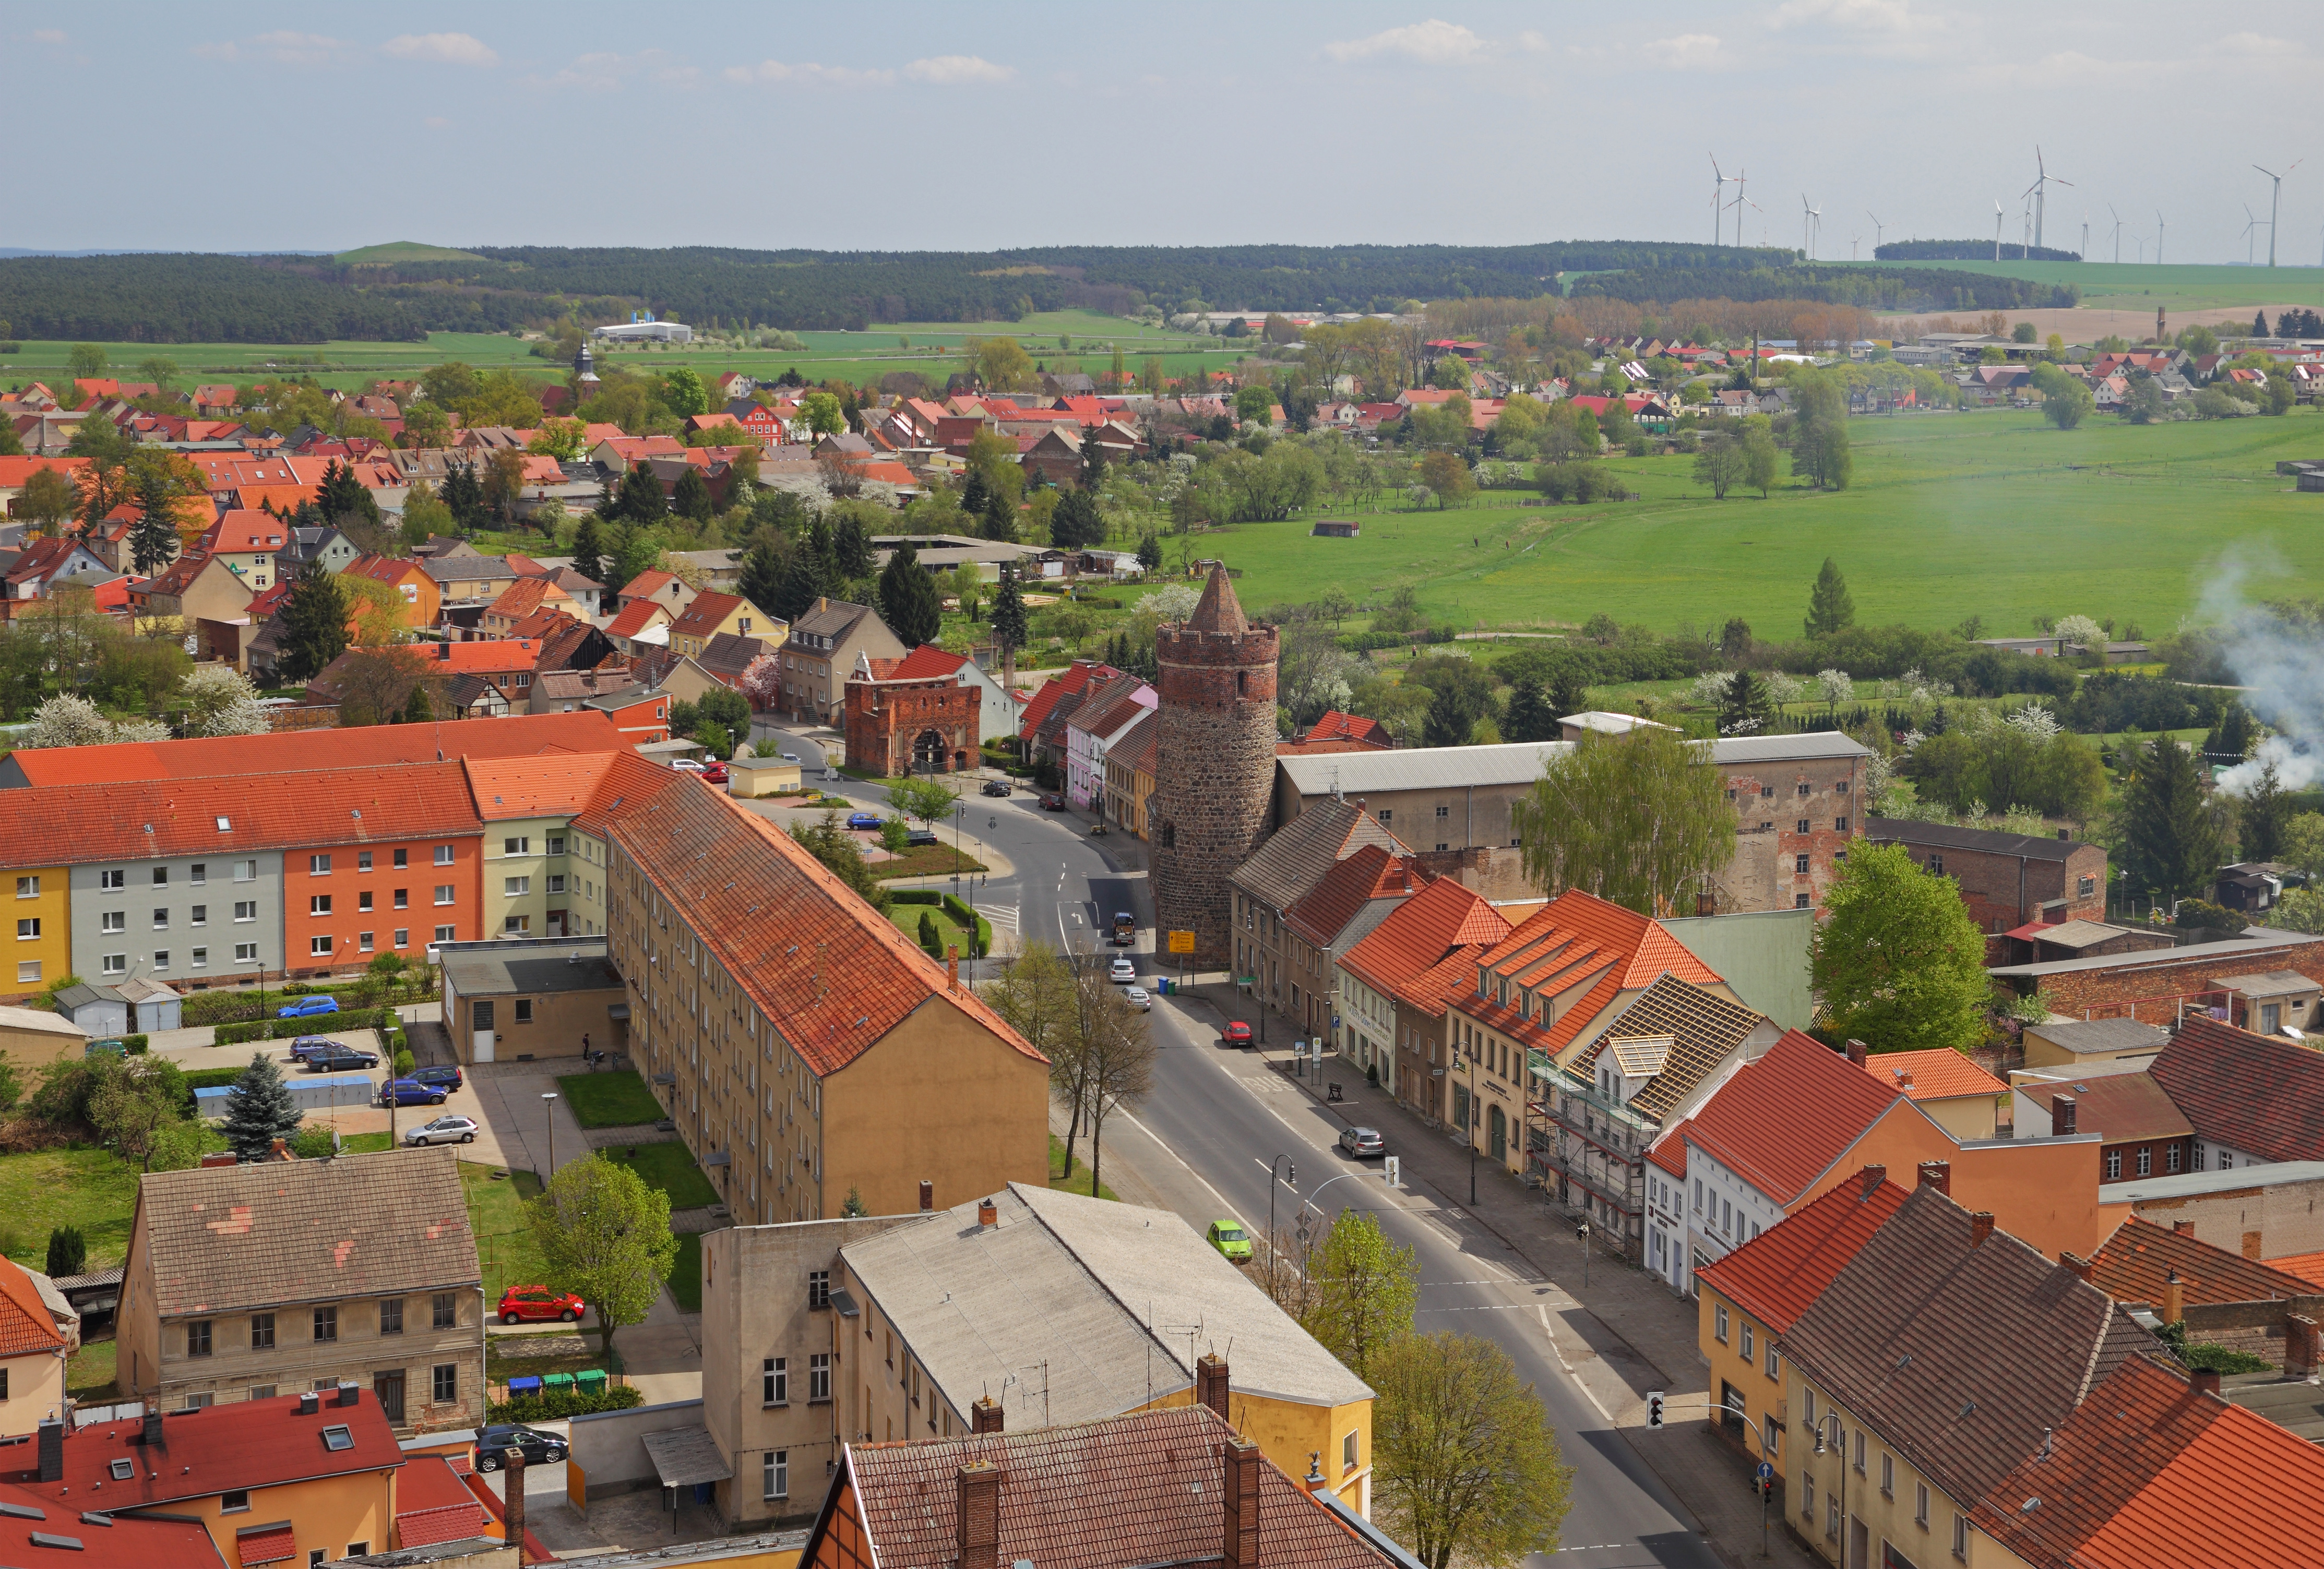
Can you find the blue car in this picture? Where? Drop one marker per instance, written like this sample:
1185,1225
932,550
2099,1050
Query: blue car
411,1092
869,820
307,1008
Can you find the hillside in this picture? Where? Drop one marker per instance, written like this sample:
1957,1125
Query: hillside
396,251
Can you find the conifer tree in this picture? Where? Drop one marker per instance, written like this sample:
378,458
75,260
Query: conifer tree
259,1110
1746,710
154,539
850,550
1829,608
907,599
314,622
589,548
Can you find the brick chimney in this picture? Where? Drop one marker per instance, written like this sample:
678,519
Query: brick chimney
2183,1227
512,1500
1211,1384
1904,1081
152,1433
988,1214
2174,1299
1241,1491
927,1195
1939,1175
951,966
1856,1053
985,1415
979,1515
2206,1381
1980,1226
2081,1267
1706,903
218,1158
2062,1115
2303,1348
53,1451
1314,1481
1872,1177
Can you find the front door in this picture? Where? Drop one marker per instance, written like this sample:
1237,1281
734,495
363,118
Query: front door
389,1387
1498,1127
1859,1544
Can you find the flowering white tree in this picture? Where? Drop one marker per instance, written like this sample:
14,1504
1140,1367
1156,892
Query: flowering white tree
70,720
1172,603
1783,688
1711,687
2082,629
763,682
220,701
2036,722
1835,686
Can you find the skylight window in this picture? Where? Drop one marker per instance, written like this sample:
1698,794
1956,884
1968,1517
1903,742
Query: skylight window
226,824
338,1437
123,1470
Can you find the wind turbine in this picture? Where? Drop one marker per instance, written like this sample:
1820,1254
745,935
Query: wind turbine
2118,234
1719,197
2247,238
1997,229
2273,203
1811,220
1740,176
2086,234
2158,236
1853,242
1877,228
2039,191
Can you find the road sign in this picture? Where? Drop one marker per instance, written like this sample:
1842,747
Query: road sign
1654,1408
1391,1168
1765,1470
1182,942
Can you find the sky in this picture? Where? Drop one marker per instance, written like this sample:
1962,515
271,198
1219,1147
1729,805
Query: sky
919,126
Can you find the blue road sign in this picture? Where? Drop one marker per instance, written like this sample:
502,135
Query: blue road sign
1765,1470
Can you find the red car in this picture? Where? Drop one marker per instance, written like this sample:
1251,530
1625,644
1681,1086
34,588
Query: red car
1237,1033
518,1303
716,774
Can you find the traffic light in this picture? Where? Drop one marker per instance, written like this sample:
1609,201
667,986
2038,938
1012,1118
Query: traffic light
1654,1409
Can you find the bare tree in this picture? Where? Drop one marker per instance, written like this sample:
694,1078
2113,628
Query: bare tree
375,684
1038,993
1120,1049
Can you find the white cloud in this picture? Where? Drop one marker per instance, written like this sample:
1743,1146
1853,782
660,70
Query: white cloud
956,70
290,49
1856,15
1532,43
1431,42
49,35
1687,51
442,49
775,72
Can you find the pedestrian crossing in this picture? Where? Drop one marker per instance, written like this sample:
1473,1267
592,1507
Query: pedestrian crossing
1003,916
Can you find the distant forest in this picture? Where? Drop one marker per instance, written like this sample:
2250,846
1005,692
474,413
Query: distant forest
1969,250
196,299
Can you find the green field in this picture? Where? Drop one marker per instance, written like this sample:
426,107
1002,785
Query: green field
2128,286
1950,514
41,1190
505,1244
610,1100
668,1167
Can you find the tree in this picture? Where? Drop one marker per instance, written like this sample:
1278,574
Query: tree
607,1236
1898,960
589,548
683,391
2265,811
1747,708
67,1252
640,500
1721,464
762,579
691,496
1009,624
1447,475
47,502
220,701
464,493
1465,1462
153,538
259,1110
1119,1050
85,359
375,683
1149,555
1829,608
137,1113
852,554
907,599
1367,1287
1528,716
1759,455
1077,523
2068,404
1636,820
314,622
820,413
2170,839
1819,432
1002,365
803,582
1460,695
842,857
1254,405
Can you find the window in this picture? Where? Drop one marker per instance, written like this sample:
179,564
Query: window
557,882
524,1010
326,1323
28,929
444,1311
161,958
1921,1505
2145,1163
1887,1476
246,908
391,1316
1840,788
818,1289
1832,1517
516,887
112,920
1799,865
516,846
199,1402
443,854
2114,1165
556,844
775,1381
246,953
338,1436
198,874
318,947
443,1383
318,865
199,916
444,933
1767,791
1936,865
161,877
245,871
1750,1352
1387,814
1718,1323
404,937
318,904
27,970
354,1549
1775,1361
237,1500
113,879
1840,823
1803,825
2083,889
1859,1451
363,942
114,964
1799,901
403,898
818,1375
362,902
402,859
516,925
775,1474
1804,787
444,892
197,1338
1443,812
28,888
1961,1536
362,860
2170,1159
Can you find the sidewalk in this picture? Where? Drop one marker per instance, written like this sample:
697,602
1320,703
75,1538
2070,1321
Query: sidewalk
1620,1334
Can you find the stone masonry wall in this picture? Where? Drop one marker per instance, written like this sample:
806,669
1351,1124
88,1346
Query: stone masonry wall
1214,777
2197,969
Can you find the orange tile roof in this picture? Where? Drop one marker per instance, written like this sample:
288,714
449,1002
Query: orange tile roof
928,663
635,616
1371,872
1336,725
1777,1275
648,583
2133,1265
242,530
524,596
1781,1121
2306,1267
1669,1150
1076,677
1573,937
25,1326
705,615
1441,918
2149,1471
1939,1074
837,973
516,736
507,787
14,472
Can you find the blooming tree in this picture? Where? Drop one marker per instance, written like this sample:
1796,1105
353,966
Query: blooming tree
70,720
763,682
220,701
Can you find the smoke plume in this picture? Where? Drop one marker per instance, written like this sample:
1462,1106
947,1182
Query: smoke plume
2280,663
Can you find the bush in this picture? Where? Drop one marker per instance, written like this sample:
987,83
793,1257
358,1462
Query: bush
313,1025
559,1404
136,1044
404,1063
929,939
959,911
914,895
2203,915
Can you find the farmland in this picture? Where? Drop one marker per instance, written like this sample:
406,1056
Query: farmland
2128,285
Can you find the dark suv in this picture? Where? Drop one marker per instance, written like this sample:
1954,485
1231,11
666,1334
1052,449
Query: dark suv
441,1077
540,1448
339,1060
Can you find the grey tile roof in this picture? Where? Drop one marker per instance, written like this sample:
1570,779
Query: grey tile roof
1419,767
2102,1035
1296,857
2034,846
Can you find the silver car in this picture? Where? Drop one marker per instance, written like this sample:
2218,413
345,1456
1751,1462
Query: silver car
1123,972
1138,997
449,1129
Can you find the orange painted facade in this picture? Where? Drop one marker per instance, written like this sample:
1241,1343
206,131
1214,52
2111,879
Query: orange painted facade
346,898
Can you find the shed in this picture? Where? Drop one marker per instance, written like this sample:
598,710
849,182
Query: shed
153,1005
325,1092
1336,529
33,1037
98,1010
2275,1001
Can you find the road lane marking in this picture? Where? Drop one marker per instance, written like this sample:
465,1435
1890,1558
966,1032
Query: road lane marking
1572,1377
1224,1207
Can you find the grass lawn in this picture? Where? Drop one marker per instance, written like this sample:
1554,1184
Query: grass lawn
365,1143
927,860
669,1168
949,932
685,1273
504,1240
88,1376
42,1189
610,1100
1082,1176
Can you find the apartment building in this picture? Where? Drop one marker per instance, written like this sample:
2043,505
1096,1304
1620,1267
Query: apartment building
386,861
1283,969
527,807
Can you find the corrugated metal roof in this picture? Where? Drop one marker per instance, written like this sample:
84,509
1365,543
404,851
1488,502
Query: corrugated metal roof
1419,768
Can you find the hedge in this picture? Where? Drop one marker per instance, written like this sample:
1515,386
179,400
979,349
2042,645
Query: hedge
312,1024
135,1045
960,912
563,1403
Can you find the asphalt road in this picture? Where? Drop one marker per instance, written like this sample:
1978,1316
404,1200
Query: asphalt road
1205,1139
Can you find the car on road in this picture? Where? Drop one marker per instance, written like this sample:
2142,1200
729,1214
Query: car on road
448,1077
340,1060
306,1046
1125,929
519,1303
687,766
1123,972
1053,803
996,788
1363,1142
714,773
1138,997
863,821
1235,1033
494,1444
449,1129
1233,1241
410,1092
308,1007
790,757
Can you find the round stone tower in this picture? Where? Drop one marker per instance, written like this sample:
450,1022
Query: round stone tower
1214,767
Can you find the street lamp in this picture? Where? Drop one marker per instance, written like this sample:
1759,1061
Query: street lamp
548,1114
1292,1182
1831,1421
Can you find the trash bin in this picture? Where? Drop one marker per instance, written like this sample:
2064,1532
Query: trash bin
529,1384
557,1383
590,1382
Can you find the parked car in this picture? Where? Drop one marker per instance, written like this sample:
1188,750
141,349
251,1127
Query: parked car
1141,999
1235,1033
715,774
113,1046
687,766
1123,972
1233,1241
410,1092
308,1007
996,788
518,1303
1363,1142
306,1046
494,1444
449,1129
340,1060
790,757
864,820
920,836
1053,803
442,1077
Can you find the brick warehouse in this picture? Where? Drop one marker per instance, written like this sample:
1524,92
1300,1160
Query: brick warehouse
2006,879
916,726
1214,765
2149,987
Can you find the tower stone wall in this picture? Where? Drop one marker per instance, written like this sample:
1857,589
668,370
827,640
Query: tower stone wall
1215,765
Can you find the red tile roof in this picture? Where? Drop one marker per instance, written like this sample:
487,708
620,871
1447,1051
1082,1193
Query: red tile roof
1076,677
481,1487
1939,1074
1371,872
635,616
247,1444
1781,1121
508,787
1336,725
1574,937
25,1326
368,746
1443,918
1777,1275
2253,1093
926,663
2305,1267
2119,1107
124,1542
706,615
240,531
1669,1149
432,1504
2133,1266
2149,1471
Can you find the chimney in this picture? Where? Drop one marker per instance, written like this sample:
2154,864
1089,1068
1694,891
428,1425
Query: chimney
951,966
2206,1381
1939,1175
309,1402
2183,1227
2302,1346
927,1195
2081,1267
988,1214
1241,1490
280,1151
350,1393
1706,903
218,1158
1904,1081
512,1504
53,1451
1314,1481
1980,1226
1211,1382
2062,1116
2174,1299
1856,1053
444,651
1872,1177
979,1515
984,1416
2064,834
